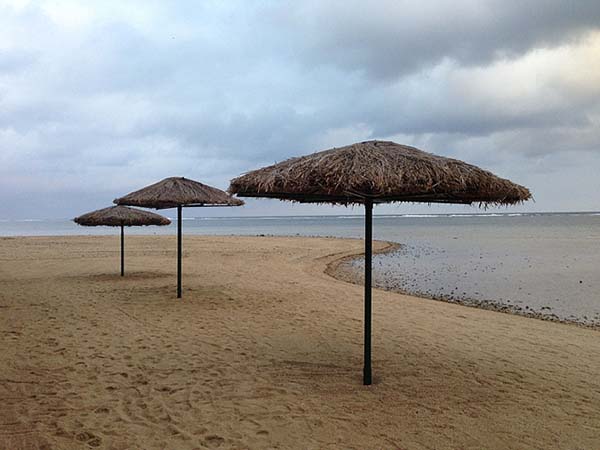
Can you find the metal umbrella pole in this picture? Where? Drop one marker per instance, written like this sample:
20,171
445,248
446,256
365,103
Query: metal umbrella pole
368,256
122,250
179,251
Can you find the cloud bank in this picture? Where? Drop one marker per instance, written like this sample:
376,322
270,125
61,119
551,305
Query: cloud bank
101,98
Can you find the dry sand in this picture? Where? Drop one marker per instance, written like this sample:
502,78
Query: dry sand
265,351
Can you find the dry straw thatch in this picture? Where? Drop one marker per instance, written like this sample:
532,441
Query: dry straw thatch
178,191
116,216
381,171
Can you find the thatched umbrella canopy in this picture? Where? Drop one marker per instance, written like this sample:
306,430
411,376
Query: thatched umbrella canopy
120,216
377,172
178,192
381,172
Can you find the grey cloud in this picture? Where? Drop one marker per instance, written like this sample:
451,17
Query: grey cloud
390,38
93,113
14,61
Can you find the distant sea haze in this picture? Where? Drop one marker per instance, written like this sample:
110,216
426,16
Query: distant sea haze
59,227
545,264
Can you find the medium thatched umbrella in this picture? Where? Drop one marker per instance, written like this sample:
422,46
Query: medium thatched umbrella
120,216
177,192
377,172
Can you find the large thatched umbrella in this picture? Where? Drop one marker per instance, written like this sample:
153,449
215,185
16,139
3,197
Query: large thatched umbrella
121,216
377,172
177,192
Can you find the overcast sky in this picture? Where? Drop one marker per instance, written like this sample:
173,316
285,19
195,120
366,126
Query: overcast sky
101,98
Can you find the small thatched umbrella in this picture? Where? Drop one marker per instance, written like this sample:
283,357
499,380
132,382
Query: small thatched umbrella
121,216
177,192
377,172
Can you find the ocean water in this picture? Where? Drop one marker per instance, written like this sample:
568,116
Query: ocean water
544,264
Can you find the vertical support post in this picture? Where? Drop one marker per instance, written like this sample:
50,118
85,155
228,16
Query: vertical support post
122,250
179,220
368,268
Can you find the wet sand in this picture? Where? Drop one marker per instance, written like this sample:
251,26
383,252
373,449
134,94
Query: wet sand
396,271
265,351
540,266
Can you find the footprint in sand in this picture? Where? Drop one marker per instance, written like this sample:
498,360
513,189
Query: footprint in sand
90,439
214,440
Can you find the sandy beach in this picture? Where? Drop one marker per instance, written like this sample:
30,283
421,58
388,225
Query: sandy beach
265,351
